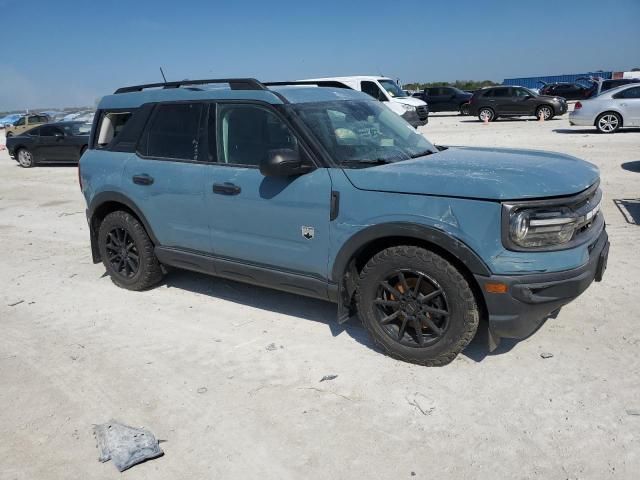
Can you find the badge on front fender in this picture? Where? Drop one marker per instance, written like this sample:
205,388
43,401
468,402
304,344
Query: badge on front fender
308,232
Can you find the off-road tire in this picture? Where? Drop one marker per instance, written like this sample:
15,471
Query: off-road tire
464,313
149,270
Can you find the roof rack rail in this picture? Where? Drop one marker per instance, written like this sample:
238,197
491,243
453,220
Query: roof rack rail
234,83
319,83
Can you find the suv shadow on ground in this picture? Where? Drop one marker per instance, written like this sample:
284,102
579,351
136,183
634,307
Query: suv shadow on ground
308,309
633,166
630,209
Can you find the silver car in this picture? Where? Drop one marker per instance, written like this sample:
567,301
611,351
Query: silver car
609,111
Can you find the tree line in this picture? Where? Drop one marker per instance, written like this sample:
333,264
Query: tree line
461,84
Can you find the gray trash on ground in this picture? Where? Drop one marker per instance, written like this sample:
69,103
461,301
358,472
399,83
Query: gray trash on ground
125,446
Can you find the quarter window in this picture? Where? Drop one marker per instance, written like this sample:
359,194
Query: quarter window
246,134
111,124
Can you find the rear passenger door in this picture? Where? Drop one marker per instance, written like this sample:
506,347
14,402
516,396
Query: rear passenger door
630,105
166,177
281,223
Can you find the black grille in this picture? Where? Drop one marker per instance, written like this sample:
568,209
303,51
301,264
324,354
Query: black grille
423,112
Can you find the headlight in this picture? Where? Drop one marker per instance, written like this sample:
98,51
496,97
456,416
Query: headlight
531,228
546,224
408,108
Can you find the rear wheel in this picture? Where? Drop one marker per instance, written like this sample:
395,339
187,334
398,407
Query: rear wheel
127,252
416,305
25,158
545,112
609,122
486,114
9,134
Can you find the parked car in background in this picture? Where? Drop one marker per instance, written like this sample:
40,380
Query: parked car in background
605,85
63,142
568,91
9,119
503,101
26,122
610,111
324,192
445,99
413,110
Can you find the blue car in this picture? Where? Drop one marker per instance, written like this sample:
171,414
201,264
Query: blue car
325,192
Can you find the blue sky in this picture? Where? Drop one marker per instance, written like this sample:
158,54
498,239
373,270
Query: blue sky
69,52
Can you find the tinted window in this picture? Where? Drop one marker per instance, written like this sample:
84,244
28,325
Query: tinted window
33,132
20,122
34,119
502,92
111,124
50,131
175,131
370,88
629,93
246,133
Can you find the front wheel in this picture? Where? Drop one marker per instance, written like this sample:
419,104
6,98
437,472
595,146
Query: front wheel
416,305
9,134
127,252
25,158
608,122
464,109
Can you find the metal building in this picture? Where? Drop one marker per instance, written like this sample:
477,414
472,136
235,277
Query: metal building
534,82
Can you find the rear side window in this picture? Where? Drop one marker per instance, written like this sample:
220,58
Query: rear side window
629,93
50,131
175,131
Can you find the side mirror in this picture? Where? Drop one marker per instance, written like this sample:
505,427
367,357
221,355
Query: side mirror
283,162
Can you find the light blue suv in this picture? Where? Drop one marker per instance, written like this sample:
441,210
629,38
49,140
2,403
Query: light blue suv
324,192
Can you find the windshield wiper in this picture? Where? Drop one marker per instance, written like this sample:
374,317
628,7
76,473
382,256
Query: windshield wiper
423,154
377,161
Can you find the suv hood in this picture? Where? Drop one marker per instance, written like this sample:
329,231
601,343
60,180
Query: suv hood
416,102
482,173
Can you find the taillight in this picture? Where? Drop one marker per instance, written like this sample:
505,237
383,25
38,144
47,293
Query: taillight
577,106
79,177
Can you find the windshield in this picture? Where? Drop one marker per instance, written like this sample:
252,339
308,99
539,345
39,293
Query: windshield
359,133
392,89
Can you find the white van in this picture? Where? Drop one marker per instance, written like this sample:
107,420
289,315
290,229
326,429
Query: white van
413,110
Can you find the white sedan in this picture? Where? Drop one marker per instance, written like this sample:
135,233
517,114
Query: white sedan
609,111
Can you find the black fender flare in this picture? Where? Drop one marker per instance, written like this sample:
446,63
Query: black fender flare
108,196
439,238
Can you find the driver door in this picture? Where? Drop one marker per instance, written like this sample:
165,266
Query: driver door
281,223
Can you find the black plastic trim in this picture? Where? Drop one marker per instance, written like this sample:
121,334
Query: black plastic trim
234,84
109,196
248,273
406,229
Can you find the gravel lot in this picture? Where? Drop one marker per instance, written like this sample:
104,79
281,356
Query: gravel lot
193,360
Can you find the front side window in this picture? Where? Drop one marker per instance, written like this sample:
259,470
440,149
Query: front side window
34,119
361,133
246,134
392,89
523,92
175,131
20,122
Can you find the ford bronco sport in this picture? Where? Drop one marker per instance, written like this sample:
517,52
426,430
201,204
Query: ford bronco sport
325,192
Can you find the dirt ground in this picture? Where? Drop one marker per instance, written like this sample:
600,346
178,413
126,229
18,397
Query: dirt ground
194,359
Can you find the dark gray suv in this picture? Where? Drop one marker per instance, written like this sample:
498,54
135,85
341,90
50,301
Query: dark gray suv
493,102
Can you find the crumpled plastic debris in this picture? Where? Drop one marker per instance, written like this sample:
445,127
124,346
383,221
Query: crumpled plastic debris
125,446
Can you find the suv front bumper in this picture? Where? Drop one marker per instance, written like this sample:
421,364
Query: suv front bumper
531,299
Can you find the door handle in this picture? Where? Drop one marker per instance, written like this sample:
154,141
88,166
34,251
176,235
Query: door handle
142,179
226,188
